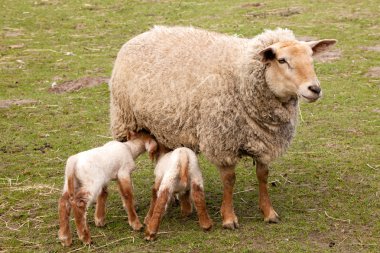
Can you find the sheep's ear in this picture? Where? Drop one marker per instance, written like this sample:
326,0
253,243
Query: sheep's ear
321,46
267,54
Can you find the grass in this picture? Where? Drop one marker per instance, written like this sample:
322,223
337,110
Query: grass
326,188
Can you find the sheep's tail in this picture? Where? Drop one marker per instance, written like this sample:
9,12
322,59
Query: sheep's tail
184,168
70,175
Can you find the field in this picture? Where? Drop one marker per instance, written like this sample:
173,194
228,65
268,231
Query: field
326,188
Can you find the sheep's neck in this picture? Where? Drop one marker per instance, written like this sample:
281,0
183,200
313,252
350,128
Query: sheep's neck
136,146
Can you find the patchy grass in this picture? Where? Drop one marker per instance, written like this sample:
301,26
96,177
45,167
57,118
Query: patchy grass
326,188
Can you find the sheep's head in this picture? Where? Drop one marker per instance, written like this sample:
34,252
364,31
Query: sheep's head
290,70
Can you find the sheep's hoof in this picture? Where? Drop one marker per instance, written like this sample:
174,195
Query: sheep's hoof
206,226
273,217
99,222
231,224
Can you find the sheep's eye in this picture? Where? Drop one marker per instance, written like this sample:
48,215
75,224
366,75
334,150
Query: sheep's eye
282,61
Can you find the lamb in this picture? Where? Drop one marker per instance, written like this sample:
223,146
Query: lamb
177,172
224,96
86,177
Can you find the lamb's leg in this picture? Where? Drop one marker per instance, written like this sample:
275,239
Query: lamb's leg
230,220
158,211
126,192
100,211
200,204
80,208
270,214
152,202
186,208
64,208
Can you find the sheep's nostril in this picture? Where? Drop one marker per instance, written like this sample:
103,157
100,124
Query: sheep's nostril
314,88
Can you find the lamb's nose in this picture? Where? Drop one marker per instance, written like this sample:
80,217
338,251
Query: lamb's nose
314,88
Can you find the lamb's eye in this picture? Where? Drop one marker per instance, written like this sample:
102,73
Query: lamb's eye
282,61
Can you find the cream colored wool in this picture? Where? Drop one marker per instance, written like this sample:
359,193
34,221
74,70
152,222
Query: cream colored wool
202,90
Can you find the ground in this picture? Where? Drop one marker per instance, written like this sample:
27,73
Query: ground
326,188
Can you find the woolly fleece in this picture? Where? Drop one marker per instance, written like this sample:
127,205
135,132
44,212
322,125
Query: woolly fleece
202,90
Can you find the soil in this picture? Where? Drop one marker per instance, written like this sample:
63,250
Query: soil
373,72
9,103
74,85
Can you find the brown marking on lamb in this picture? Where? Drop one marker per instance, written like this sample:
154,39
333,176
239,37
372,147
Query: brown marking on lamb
100,211
200,205
64,208
158,212
152,202
185,202
126,193
80,212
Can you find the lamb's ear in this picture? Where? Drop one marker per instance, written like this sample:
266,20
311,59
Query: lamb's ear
151,147
267,54
321,46
131,135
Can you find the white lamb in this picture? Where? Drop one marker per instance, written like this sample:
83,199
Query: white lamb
86,177
177,172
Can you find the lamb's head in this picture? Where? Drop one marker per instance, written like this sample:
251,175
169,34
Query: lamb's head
290,70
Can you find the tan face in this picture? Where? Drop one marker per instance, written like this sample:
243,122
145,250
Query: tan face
290,70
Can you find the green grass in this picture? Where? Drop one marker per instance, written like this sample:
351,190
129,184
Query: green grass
327,186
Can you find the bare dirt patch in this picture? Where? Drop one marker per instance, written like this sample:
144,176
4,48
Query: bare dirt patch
12,32
373,72
9,103
372,48
249,5
329,56
74,85
279,12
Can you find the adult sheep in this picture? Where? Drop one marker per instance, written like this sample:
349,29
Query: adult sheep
224,96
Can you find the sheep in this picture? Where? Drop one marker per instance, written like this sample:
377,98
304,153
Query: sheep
224,96
177,172
86,177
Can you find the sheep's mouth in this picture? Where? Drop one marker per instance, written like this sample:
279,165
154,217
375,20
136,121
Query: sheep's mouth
310,99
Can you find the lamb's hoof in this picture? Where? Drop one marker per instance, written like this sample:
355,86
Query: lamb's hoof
86,239
149,236
99,222
137,226
66,240
273,217
231,224
186,213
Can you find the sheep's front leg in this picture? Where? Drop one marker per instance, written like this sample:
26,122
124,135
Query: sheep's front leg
185,202
158,211
125,188
265,205
64,208
80,207
230,220
200,204
100,211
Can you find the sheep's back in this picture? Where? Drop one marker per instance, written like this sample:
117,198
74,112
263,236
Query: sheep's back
175,80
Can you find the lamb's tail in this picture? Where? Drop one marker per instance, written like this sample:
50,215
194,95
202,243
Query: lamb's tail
70,175
184,168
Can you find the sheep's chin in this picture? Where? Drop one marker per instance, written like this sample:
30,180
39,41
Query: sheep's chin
309,99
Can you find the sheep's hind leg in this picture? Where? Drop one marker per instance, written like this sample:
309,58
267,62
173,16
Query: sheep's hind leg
158,211
80,208
125,188
230,220
200,204
186,208
100,211
265,205
64,208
